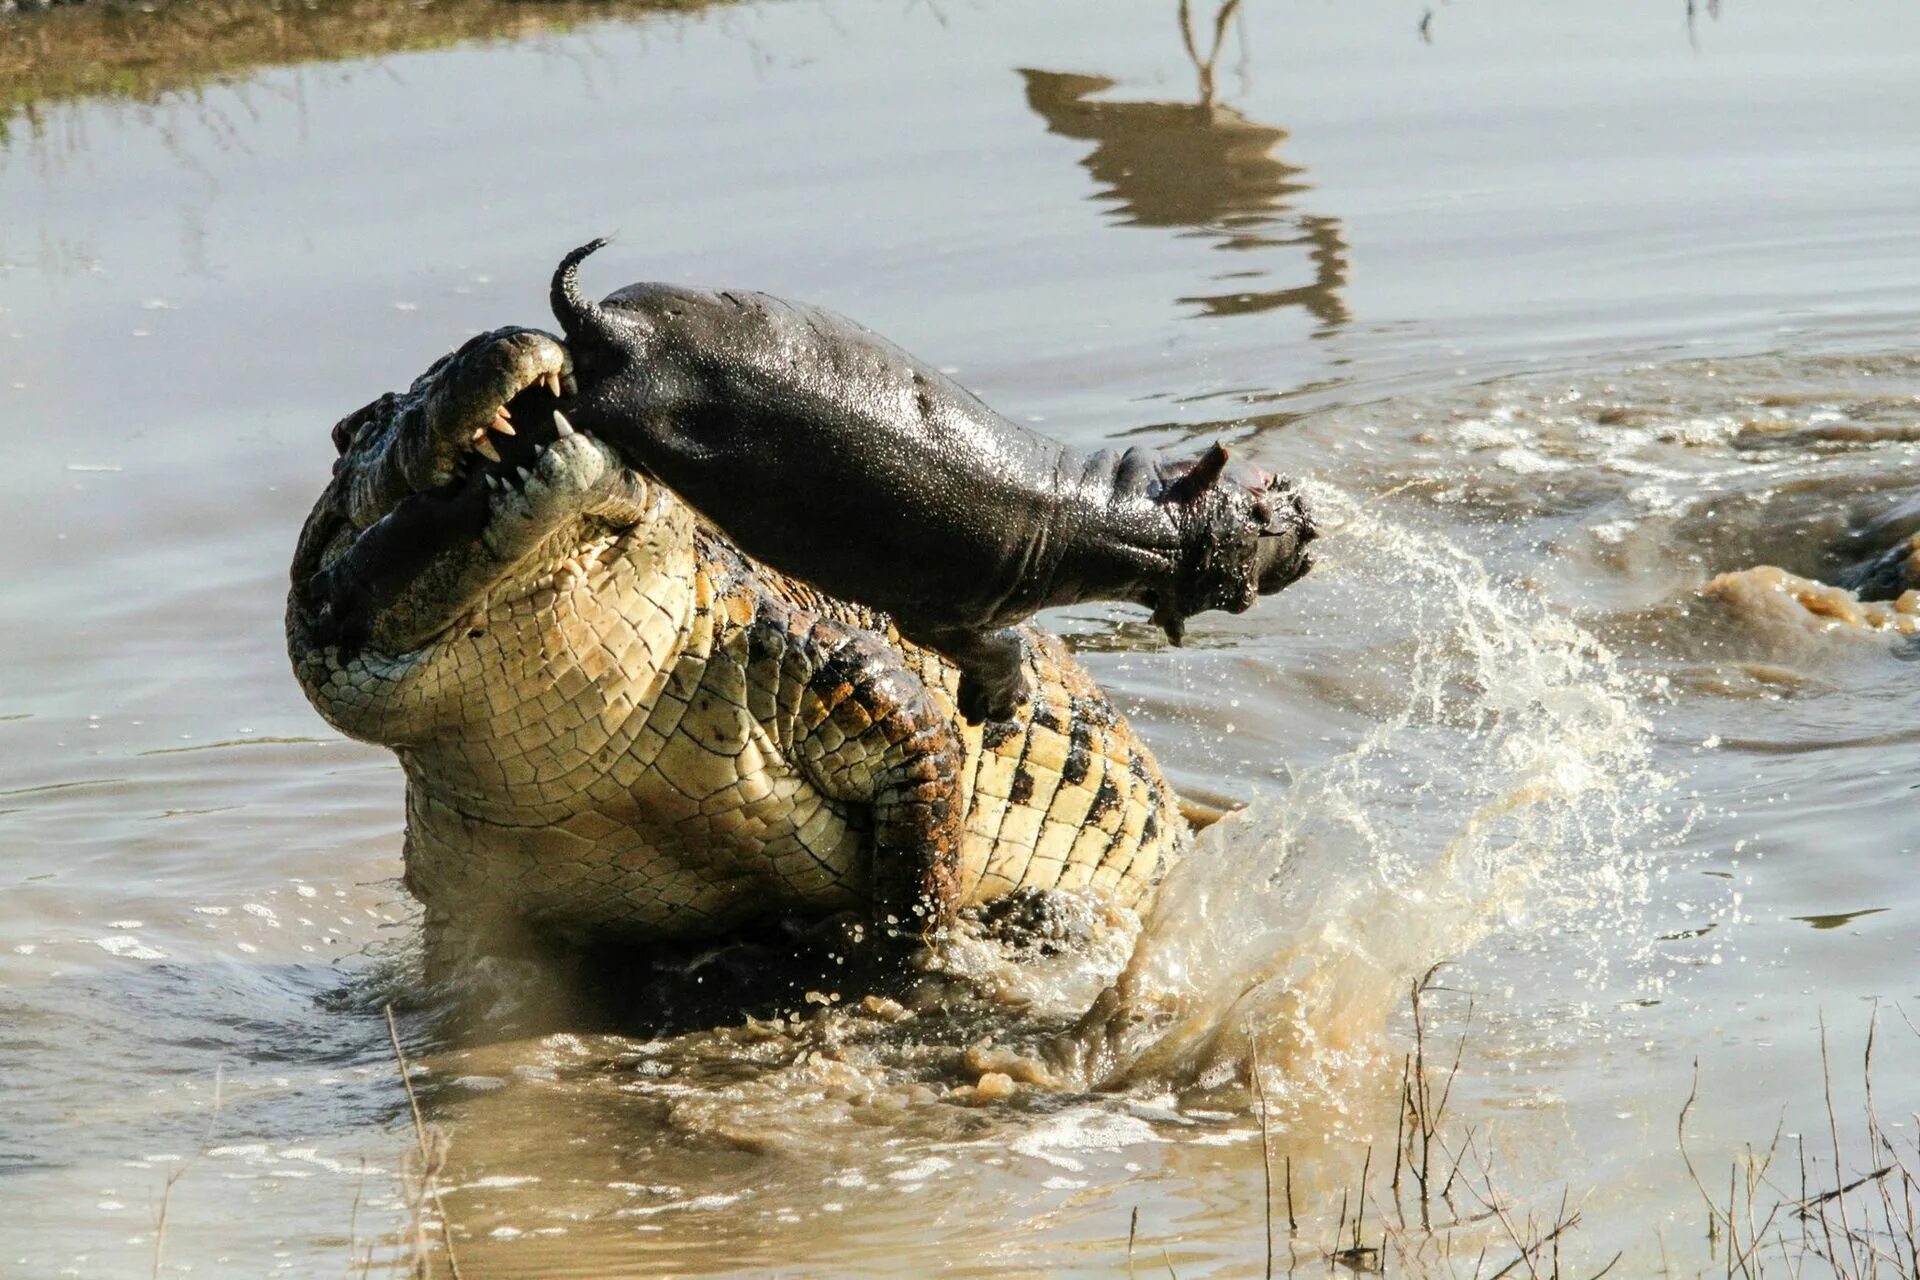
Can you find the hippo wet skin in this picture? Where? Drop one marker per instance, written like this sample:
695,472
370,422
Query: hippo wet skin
832,455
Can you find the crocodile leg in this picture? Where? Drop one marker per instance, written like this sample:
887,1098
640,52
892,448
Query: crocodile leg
866,730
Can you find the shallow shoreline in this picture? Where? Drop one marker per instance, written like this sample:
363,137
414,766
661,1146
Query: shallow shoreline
59,50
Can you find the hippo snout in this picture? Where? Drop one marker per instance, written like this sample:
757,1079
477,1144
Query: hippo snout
1283,558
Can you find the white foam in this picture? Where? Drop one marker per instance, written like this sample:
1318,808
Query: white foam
1504,790
1080,1130
129,946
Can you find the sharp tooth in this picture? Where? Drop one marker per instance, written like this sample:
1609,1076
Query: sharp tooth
493,481
553,384
502,412
503,424
561,425
484,447
539,449
524,476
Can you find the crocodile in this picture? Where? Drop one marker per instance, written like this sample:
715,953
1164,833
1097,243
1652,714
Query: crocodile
616,727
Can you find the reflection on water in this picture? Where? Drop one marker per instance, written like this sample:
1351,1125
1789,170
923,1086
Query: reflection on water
1693,20
1203,166
1839,919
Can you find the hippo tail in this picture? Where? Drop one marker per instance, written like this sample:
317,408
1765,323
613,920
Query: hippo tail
582,319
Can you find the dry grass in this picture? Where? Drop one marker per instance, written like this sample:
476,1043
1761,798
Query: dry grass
420,1171
1437,1208
1846,1207
1843,1203
1854,1218
420,1168
173,1179
146,51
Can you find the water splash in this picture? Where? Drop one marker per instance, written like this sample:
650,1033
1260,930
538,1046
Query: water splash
1506,792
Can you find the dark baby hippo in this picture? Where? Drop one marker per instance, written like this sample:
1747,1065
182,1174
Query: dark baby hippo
830,454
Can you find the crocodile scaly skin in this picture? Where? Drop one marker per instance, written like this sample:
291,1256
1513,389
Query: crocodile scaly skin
630,731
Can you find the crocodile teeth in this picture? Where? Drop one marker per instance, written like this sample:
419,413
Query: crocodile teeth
553,384
561,425
502,423
493,481
524,476
484,447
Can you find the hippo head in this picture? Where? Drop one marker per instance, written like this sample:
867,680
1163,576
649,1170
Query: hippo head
1245,532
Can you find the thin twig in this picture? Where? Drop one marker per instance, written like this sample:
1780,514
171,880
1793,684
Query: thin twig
1527,1251
166,1192
1680,1139
1400,1136
1833,1131
1360,1211
1266,1149
1340,1227
427,1158
1419,1104
1826,1197
1610,1265
353,1215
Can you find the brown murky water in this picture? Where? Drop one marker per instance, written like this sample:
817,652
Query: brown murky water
1565,310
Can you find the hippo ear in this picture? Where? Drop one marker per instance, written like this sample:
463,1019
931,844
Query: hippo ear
581,318
1202,477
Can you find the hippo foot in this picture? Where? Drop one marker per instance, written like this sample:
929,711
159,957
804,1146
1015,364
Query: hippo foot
991,696
993,669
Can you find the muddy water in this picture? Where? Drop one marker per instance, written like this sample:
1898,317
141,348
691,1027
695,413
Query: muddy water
1564,311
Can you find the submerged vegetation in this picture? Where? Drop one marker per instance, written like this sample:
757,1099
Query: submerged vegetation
1435,1204
1844,1202
1841,1200
143,52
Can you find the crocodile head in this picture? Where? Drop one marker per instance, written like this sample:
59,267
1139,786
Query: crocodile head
450,504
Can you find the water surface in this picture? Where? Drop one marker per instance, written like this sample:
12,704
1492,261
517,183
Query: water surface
1564,310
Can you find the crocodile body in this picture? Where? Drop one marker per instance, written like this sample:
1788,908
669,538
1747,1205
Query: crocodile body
615,727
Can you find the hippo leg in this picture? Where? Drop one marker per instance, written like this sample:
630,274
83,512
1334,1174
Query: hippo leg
868,731
993,669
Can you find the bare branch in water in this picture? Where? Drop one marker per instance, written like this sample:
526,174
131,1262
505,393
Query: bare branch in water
430,1157
173,1179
